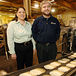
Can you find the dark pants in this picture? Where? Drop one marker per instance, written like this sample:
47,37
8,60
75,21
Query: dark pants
24,54
46,52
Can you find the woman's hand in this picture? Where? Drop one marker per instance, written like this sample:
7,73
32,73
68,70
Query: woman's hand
34,51
13,56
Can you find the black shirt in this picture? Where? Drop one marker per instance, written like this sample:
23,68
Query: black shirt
46,30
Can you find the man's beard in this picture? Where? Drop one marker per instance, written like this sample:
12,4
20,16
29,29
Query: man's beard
46,14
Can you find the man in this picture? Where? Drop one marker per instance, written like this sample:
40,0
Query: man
46,31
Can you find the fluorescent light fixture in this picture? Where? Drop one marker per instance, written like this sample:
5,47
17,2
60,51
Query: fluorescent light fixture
3,1
12,15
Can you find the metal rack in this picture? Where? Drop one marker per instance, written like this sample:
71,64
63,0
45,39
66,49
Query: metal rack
74,41
4,39
65,43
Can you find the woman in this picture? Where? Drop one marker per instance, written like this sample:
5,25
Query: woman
19,38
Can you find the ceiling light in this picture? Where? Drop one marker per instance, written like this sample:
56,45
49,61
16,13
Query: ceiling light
52,1
10,10
53,10
36,5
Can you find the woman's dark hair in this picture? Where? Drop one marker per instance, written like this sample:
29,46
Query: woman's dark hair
16,18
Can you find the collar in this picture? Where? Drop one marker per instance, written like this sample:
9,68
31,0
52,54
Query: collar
46,18
19,22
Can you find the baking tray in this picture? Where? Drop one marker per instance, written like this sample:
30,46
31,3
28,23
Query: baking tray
69,73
